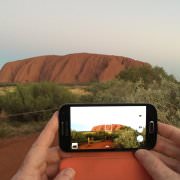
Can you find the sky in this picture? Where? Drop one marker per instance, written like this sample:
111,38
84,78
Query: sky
85,118
144,30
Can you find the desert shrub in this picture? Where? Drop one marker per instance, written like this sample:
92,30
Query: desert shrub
82,137
35,97
79,137
163,94
147,74
10,128
7,84
126,138
101,135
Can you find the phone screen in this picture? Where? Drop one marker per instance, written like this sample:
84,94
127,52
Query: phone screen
107,127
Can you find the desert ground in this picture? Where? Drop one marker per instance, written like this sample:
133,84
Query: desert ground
12,152
13,149
97,145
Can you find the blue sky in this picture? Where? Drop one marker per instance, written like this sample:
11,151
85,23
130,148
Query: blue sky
141,29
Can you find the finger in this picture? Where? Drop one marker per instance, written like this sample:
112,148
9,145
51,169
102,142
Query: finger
66,174
44,177
47,136
53,155
52,170
35,158
169,132
154,166
39,150
65,155
167,140
172,163
163,146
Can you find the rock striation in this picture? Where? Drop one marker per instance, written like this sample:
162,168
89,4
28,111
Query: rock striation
69,69
109,127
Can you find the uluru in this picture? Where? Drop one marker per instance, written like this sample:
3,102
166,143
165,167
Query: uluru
107,127
67,69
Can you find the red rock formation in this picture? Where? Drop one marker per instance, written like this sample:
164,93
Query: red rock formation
73,68
109,127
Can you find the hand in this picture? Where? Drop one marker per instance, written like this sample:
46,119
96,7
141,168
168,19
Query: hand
163,163
42,162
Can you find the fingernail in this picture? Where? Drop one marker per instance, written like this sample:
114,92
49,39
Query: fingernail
69,172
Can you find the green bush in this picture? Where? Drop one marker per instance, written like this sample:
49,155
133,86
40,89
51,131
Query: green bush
147,74
10,128
35,97
79,137
7,84
164,94
126,138
101,135
82,137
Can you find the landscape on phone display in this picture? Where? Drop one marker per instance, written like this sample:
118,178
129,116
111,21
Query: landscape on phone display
95,134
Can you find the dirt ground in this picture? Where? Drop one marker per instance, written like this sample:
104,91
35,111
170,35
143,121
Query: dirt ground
97,145
12,152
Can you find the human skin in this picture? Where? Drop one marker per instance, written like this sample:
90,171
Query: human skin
42,160
163,162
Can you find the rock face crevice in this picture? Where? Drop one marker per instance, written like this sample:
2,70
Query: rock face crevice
68,69
107,127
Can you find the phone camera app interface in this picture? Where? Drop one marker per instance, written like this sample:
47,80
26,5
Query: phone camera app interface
108,127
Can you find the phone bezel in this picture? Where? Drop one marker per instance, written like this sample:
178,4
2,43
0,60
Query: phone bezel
65,132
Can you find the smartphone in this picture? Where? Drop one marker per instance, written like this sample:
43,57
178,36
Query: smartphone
107,127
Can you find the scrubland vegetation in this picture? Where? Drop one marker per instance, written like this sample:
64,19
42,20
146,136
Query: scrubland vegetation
141,85
125,137
137,85
29,106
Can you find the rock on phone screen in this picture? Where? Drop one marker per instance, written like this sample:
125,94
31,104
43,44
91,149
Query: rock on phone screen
107,127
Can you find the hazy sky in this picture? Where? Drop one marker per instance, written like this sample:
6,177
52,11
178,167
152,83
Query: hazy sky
148,30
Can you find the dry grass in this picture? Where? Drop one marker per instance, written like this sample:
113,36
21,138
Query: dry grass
10,129
4,90
78,91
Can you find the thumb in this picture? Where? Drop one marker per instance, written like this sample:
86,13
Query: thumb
66,174
154,166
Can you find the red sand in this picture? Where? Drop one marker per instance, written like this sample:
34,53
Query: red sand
12,152
97,145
